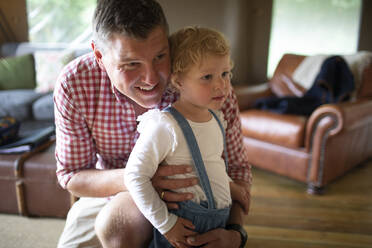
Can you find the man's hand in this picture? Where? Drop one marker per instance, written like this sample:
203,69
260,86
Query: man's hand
177,235
163,184
217,238
240,193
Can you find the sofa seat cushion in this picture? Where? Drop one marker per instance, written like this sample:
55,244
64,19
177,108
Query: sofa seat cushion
17,103
285,130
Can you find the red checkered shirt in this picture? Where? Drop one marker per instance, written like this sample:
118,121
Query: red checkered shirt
96,125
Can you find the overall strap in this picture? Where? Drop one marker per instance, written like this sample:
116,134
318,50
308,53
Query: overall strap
195,153
224,138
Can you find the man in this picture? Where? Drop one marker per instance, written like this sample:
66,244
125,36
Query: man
97,99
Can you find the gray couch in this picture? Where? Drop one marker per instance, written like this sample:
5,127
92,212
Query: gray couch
33,109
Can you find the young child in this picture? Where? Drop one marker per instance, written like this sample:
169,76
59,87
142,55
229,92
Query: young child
201,71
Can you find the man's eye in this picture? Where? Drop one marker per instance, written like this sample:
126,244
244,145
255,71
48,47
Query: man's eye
207,77
129,66
132,64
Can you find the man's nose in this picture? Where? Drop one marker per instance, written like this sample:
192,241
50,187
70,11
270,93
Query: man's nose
151,75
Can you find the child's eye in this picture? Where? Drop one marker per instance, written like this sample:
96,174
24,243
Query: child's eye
160,56
207,77
226,74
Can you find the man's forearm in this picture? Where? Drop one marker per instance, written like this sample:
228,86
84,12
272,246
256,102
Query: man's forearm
97,183
236,214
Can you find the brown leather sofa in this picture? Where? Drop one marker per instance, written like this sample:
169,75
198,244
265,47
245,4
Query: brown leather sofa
316,149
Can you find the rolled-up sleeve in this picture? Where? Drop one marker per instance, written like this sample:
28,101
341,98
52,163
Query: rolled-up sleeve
74,146
239,167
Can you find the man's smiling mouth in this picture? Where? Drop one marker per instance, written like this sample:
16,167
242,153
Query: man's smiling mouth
146,88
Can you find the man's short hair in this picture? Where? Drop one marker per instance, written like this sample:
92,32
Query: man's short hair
132,18
189,45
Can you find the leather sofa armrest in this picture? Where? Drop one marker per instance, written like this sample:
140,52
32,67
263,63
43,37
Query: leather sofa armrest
335,118
338,132
247,95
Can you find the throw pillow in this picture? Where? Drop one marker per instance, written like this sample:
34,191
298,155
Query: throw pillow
17,72
48,66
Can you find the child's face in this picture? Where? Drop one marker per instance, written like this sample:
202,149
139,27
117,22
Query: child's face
206,85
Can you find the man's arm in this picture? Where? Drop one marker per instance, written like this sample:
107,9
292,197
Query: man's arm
239,167
103,183
97,183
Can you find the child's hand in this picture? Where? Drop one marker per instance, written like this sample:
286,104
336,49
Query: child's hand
179,232
240,193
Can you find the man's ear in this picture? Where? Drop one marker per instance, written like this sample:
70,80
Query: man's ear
98,55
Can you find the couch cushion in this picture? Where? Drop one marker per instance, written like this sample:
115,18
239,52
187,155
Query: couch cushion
282,83
28,127
17,72
43,108
280,129
17,103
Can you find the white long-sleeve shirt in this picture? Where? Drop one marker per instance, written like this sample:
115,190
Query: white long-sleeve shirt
161,141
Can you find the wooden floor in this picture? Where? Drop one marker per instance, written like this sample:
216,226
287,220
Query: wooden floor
282,215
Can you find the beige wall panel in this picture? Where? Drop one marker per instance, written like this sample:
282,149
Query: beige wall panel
13,12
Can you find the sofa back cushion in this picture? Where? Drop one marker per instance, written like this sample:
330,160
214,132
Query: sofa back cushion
296,73
365,89
18,103
281,83
17,72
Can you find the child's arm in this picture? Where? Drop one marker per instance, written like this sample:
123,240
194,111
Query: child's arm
153,145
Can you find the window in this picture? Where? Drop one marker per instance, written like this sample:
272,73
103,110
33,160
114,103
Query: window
60,21
313,27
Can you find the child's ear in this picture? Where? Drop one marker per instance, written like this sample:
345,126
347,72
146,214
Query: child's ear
175,81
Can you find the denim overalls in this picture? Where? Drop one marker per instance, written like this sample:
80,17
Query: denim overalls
204,216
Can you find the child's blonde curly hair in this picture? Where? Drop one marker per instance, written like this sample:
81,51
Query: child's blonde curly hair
189,45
